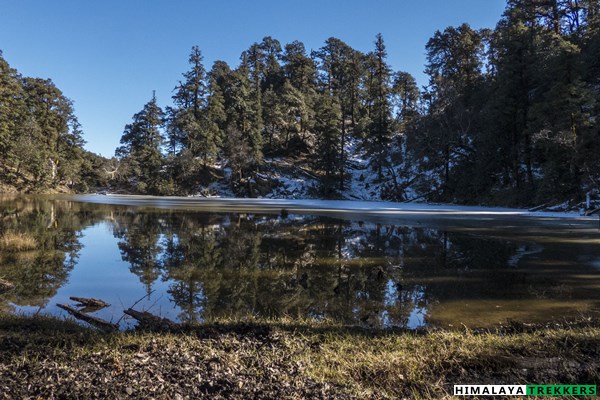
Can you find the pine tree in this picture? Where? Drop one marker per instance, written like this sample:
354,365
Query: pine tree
215,115
328,152
248,106
272,74
299,69
301,72
189,127
454,66
560,113
12,111
190,94
273,118
339,75
141,148
589,146
70,152
244,130
380,128
406,98
295,112
52,127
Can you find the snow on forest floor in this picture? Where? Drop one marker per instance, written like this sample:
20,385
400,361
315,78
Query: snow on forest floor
294,187
290,179
360,185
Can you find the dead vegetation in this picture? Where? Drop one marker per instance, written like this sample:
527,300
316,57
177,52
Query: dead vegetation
94,321
5,286
16,241
47,358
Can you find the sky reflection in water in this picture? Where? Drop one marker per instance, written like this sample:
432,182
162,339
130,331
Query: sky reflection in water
199,266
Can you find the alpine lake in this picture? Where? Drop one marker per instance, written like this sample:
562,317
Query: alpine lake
193,260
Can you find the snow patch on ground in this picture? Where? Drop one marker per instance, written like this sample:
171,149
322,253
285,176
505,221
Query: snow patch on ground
289,178
361,186
289,181
217,189
362,183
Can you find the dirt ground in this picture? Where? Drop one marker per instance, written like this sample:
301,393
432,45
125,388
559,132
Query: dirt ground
51,359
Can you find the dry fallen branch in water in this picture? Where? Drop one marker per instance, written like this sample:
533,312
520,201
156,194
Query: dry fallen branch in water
90,302
94,321
151,321
134,304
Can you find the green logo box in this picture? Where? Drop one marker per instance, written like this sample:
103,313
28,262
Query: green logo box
561,390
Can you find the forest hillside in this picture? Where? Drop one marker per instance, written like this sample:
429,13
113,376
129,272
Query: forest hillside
509,116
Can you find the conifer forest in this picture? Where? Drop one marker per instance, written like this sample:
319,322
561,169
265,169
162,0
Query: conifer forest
509,116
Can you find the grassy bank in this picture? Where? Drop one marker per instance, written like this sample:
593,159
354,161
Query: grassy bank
47,358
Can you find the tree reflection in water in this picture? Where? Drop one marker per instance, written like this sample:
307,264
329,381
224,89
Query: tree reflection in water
235,265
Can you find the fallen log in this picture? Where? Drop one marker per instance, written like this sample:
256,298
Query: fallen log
151,321
90,302
538,208
592,212
94,321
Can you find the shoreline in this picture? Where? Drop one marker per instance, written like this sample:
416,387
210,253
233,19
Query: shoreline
372,207
51,358
375,207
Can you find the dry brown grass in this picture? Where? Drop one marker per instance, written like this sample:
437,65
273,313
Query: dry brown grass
13,242
427,366
284,359
5,286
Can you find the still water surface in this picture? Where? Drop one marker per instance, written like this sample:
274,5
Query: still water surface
381,269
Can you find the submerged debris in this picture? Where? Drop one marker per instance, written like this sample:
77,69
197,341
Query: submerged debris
150,321
147,321
94,321
89,304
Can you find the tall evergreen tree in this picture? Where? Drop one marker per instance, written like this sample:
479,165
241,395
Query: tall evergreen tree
272,72
273,118
142,141
339,75
406,96
53,128
244,130
12,109
215,115
454,65
327,131
380,128
300,70
189,125
295,112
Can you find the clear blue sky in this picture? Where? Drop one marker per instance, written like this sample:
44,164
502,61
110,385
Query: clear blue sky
108,56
